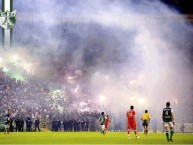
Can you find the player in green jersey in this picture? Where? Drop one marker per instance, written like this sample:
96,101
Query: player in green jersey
168,119
102,123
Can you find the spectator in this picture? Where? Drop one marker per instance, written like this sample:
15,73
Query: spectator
37,123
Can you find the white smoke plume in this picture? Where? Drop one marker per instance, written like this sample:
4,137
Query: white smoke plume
131,52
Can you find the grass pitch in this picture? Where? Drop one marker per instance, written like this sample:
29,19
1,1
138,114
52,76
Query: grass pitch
90,138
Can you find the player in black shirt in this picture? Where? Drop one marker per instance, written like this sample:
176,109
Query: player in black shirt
7,125
168,119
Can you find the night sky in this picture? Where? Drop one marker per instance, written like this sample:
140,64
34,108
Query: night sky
183,6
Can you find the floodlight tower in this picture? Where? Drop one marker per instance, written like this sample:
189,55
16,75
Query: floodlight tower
7,21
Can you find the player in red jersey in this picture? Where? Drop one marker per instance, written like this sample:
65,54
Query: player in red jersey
131,122
107,121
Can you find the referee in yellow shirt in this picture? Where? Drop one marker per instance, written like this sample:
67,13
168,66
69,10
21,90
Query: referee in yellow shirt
145,121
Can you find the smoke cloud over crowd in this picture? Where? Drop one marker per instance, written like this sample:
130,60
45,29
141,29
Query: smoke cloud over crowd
122,52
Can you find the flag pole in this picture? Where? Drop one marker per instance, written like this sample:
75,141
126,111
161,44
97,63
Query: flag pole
7,34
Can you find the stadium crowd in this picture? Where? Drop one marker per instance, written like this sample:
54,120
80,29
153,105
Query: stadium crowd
31,100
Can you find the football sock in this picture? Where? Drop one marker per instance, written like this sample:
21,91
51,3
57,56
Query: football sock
135,132
103,132
171,134
167,135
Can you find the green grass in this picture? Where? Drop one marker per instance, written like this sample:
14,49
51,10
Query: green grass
90,138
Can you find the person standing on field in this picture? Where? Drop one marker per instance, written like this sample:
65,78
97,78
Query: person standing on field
145,121
7,125
107,121
102,123
168,120
37,123
131,122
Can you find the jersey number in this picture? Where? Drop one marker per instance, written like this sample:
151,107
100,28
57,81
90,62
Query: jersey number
166,112
130,114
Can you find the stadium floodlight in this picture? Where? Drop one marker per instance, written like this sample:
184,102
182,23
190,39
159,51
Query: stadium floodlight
141,101
7,21
102,98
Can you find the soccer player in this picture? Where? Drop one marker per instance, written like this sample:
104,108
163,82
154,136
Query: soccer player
6,120
145,121
107,120
131,122
102,123
168,119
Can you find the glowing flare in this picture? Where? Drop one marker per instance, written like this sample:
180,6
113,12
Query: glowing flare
102,98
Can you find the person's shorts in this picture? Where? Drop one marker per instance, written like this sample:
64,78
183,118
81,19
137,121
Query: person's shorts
7,126
170,124
131,126
102,127
145,123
